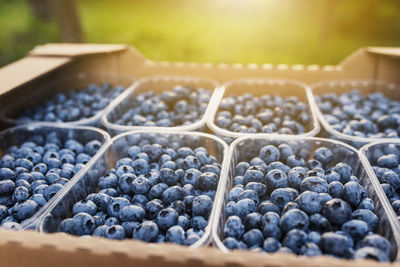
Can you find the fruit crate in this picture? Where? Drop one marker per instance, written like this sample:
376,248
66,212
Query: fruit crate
53,61
48,91
20,134
259,87
245,148
369,154
87,181
158,85
365,87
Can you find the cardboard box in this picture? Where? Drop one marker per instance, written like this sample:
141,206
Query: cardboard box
52,61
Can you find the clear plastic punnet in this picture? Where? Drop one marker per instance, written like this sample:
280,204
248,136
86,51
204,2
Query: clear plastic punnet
245,148
18,135
157,84
259,87
389,90
369,155
63,84
87,182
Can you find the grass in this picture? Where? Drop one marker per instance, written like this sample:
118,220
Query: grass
231,31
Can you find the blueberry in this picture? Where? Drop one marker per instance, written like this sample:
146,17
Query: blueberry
116,232
271,245
157,190
82,224
276,179
355,228
309,202
100,231
353,193
335,189
253,237
171,194
175,234
250,194
367,204
376,241
132,213
65,226
337,211
269,154
335,244
233,227
51,190
282,196
244,207
110,221
310,249
323,155
167,218
86,206
320,223
201,206
168,176
101,200
267,206
146,231
314,184
207,181
20,193
140,185
371,253
295,239
388,161
116,205
6,187
191,176
292,219
367,216
253,221
253,175
344,170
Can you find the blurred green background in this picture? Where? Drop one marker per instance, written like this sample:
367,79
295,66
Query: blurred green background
231,31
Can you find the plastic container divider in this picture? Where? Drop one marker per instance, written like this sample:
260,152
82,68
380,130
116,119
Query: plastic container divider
389,90
259,87
158,84
368,154
18,135
86,183
243,149
64,84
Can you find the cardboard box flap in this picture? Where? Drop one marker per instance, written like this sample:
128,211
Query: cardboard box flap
27,69
385,51
76,49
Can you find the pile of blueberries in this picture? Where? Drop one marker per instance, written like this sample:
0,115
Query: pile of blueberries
183,105
371,116
265,114
32,173
155,193
280,202
73,105
387,170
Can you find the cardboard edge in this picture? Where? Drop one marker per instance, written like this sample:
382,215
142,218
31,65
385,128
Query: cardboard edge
18,248
76,49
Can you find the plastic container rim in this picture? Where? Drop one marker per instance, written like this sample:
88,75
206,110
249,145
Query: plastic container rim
328,127
374,181
37,126
176,78
221,91
206,238
84,121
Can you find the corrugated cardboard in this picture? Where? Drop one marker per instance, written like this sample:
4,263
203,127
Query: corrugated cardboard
55,60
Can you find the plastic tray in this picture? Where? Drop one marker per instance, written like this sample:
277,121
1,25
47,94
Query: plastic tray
368,155
157,84
258,87
19,134
49,89
245,148
391,91
86,183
